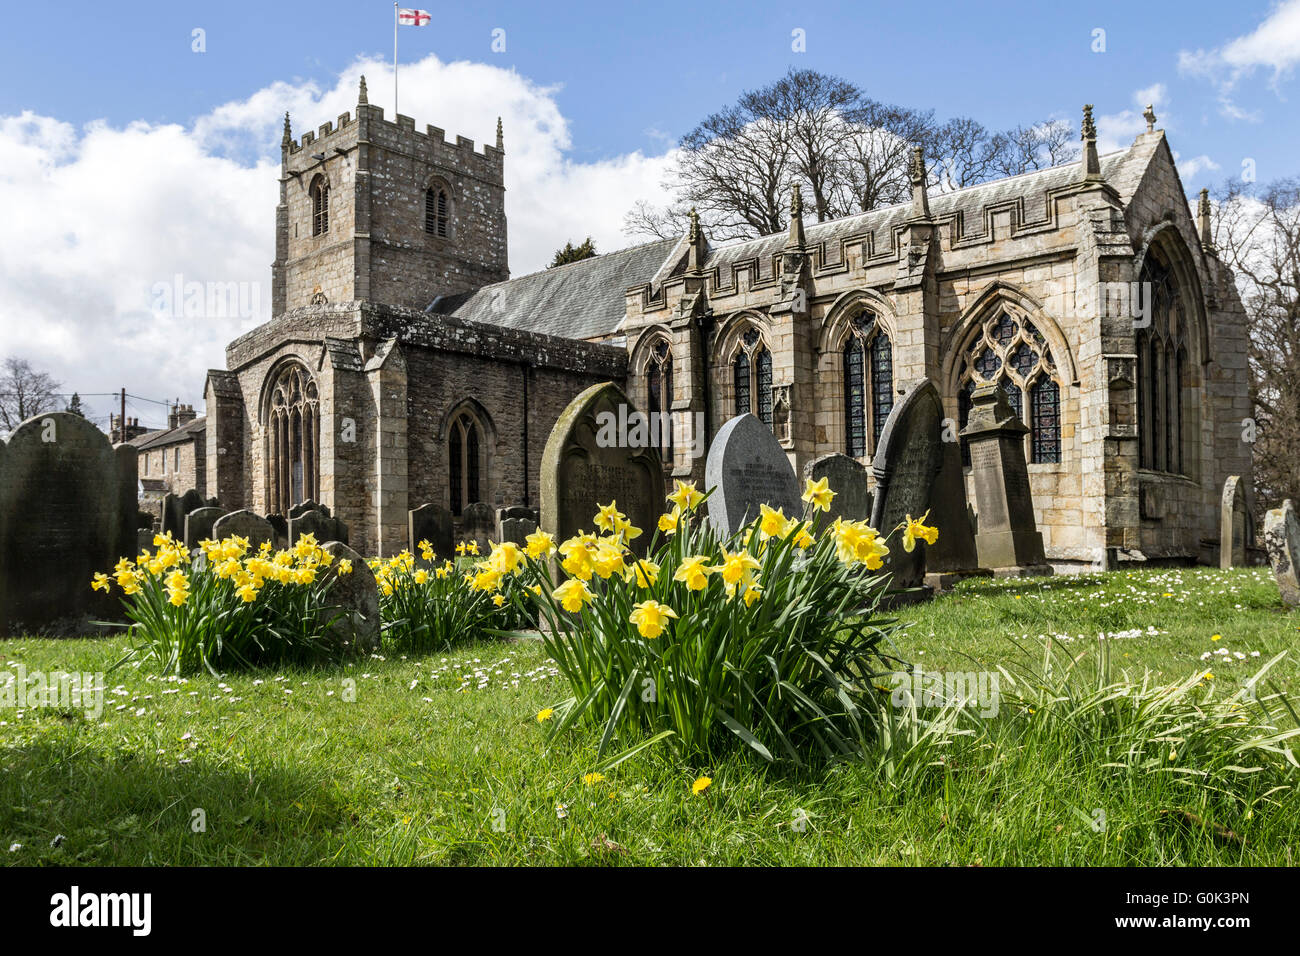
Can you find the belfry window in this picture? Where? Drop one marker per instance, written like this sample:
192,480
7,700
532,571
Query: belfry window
320,206
868,384
293,441
464,461
1010,351
1161,370
437,212
752,376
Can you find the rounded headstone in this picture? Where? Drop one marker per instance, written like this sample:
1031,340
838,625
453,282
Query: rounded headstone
747,467
353,600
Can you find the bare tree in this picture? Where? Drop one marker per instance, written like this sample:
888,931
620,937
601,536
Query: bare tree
846,152
1258,234
24,392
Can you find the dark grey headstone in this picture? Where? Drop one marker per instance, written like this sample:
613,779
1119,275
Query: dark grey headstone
199,524
747,467
432,523
244,524
353,600
478,523
955,552
300,509
143,541
517,530
1008,541
1282,541
280,529
193,501
847,477
319,524
61,520
171,516
579,474
908,458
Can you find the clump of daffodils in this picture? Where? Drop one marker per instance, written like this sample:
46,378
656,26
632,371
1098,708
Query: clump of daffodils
746,635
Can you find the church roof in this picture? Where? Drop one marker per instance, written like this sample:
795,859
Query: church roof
1031,189
580,300
169,436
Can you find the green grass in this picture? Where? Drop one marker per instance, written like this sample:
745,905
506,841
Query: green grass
417,770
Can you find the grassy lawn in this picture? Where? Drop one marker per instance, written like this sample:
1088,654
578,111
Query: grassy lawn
441,760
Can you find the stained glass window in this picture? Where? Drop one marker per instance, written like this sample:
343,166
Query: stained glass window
740,369
1162,369
765,387
1045,427
855,408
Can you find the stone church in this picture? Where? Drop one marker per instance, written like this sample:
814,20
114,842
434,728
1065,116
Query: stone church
403,365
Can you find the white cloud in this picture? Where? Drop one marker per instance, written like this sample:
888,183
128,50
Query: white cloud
98,215
1189,168
1274,44
1118,130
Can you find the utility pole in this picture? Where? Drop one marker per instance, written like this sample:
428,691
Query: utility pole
123,419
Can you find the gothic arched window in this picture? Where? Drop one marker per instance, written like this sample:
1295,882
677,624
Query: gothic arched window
320,206
1162,370
868,384
293,440
753,397
465,450
437,212
659,395
1009,350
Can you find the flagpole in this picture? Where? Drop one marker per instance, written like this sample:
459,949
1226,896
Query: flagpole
394,62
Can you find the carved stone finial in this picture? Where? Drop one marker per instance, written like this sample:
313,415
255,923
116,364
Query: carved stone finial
920,195
361,96
1203,221
1149,114
694,217
287,138
796,201
918,165
1090,162
796,218
698,245
501,136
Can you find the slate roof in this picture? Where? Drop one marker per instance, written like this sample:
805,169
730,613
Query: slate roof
580,300
170,436
1032,188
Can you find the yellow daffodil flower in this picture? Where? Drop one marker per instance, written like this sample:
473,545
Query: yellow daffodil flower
651,617
818,494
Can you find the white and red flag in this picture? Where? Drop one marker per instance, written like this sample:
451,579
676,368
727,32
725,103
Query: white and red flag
413,18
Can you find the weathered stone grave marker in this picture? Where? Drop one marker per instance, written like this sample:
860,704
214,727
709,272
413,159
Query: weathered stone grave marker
847,477
432,523
746,467
244,524
1282,541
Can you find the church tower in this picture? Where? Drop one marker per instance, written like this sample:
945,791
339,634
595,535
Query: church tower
372,210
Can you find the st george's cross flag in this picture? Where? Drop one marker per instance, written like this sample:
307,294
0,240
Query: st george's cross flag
413,18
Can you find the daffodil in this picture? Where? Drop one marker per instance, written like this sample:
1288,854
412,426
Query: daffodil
573,595
498,599
668,523
913,530
694,572
651,617
737,569
818,494
645,571
609,517
772,523
506,557
539,544
100,582
685,496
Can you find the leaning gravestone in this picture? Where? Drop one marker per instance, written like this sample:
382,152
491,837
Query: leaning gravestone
908,458
1234,524
847,477
244,524
432,523
747,467
1008,539
478,523
300,509
64,519
319,524
199,524
353,600
1282,540
954,555
580,473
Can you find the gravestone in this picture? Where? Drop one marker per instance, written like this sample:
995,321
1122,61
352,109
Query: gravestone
954,555
300,509
1234,524
517,530
62,519
143,541
1282,541
847,477
432,523
1008,541
171,516
279,530
317,523
244,524
908,457
579,474
478,523
747,467
128,500
352,600
199,524
193,501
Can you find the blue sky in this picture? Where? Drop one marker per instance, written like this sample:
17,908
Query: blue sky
112,96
